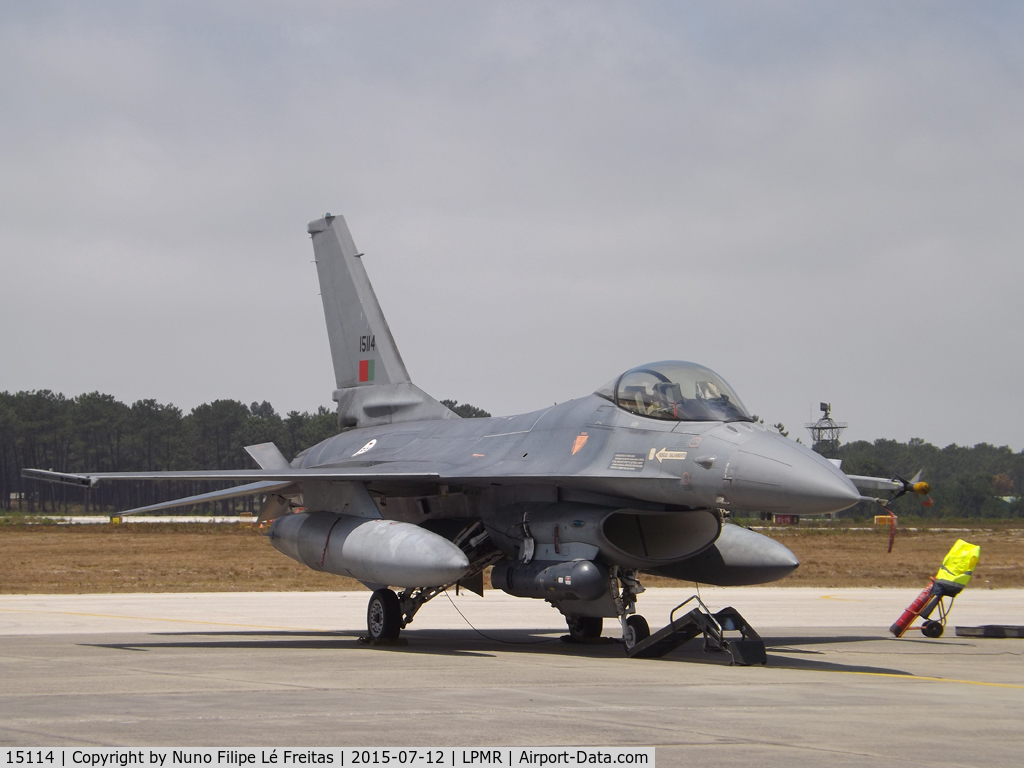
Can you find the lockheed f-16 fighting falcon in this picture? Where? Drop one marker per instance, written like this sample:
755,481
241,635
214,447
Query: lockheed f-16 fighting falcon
568,504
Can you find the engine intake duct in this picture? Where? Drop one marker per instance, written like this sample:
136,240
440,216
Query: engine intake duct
551,580
631,538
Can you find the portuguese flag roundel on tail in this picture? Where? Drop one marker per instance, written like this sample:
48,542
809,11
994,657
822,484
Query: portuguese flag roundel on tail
366,370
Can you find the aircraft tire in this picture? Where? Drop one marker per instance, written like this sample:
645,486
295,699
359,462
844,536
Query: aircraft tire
636,631
384,615
584,628
932,629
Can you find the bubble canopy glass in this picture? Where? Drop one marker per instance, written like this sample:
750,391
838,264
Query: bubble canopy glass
675,391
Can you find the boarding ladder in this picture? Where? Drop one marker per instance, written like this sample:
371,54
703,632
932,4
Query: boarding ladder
747,649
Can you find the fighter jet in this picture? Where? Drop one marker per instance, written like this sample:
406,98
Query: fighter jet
568,504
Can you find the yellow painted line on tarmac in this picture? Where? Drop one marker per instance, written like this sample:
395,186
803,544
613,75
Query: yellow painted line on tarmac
152,618
843,599
927,679
921,678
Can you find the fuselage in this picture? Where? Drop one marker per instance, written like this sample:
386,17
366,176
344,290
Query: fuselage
591,445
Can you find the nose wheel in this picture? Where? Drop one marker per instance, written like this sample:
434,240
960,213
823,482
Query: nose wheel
384,615
635,630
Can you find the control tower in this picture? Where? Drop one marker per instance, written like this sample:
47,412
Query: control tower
825,433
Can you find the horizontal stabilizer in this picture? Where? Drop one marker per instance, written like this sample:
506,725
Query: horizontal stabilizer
268,456
251,489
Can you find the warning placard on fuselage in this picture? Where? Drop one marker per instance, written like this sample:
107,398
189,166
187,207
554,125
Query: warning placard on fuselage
628,462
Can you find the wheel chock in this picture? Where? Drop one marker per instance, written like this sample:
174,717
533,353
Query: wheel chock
398,641
747,653
991,630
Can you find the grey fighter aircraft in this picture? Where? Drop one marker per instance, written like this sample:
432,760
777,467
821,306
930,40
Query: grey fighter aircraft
568,503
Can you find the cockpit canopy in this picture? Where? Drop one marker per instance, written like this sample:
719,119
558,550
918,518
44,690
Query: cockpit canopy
675,391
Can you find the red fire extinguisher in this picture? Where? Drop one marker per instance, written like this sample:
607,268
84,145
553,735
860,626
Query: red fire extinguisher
913,611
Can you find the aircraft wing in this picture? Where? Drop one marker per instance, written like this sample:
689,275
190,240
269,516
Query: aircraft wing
271,480
265,481
405,472
355,474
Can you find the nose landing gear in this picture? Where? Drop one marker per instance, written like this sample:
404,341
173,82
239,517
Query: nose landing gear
636,631
624,589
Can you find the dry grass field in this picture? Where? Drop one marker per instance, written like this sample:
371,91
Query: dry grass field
844,558
216,558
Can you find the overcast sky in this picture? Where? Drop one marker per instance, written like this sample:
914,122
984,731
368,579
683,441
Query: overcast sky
819,201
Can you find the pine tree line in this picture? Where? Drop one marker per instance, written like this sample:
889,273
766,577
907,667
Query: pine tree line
983,481
97,433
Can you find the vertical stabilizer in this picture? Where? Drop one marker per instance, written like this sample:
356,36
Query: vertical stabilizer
373,386
362,347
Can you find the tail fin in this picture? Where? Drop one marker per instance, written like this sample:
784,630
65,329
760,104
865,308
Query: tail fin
373,386
362,346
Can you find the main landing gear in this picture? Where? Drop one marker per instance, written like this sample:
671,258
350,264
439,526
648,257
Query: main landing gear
384,615
584,629
389,613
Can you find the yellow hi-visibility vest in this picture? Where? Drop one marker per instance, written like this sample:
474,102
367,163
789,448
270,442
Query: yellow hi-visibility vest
958,565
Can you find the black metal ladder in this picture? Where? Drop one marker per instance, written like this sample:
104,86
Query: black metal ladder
747,649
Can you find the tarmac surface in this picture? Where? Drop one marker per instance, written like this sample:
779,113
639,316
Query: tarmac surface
286,669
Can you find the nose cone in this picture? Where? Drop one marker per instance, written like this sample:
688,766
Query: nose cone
772,473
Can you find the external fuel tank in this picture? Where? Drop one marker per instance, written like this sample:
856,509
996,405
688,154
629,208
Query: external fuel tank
385,552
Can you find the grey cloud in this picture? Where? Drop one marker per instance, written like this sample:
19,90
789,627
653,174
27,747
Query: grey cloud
819,201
